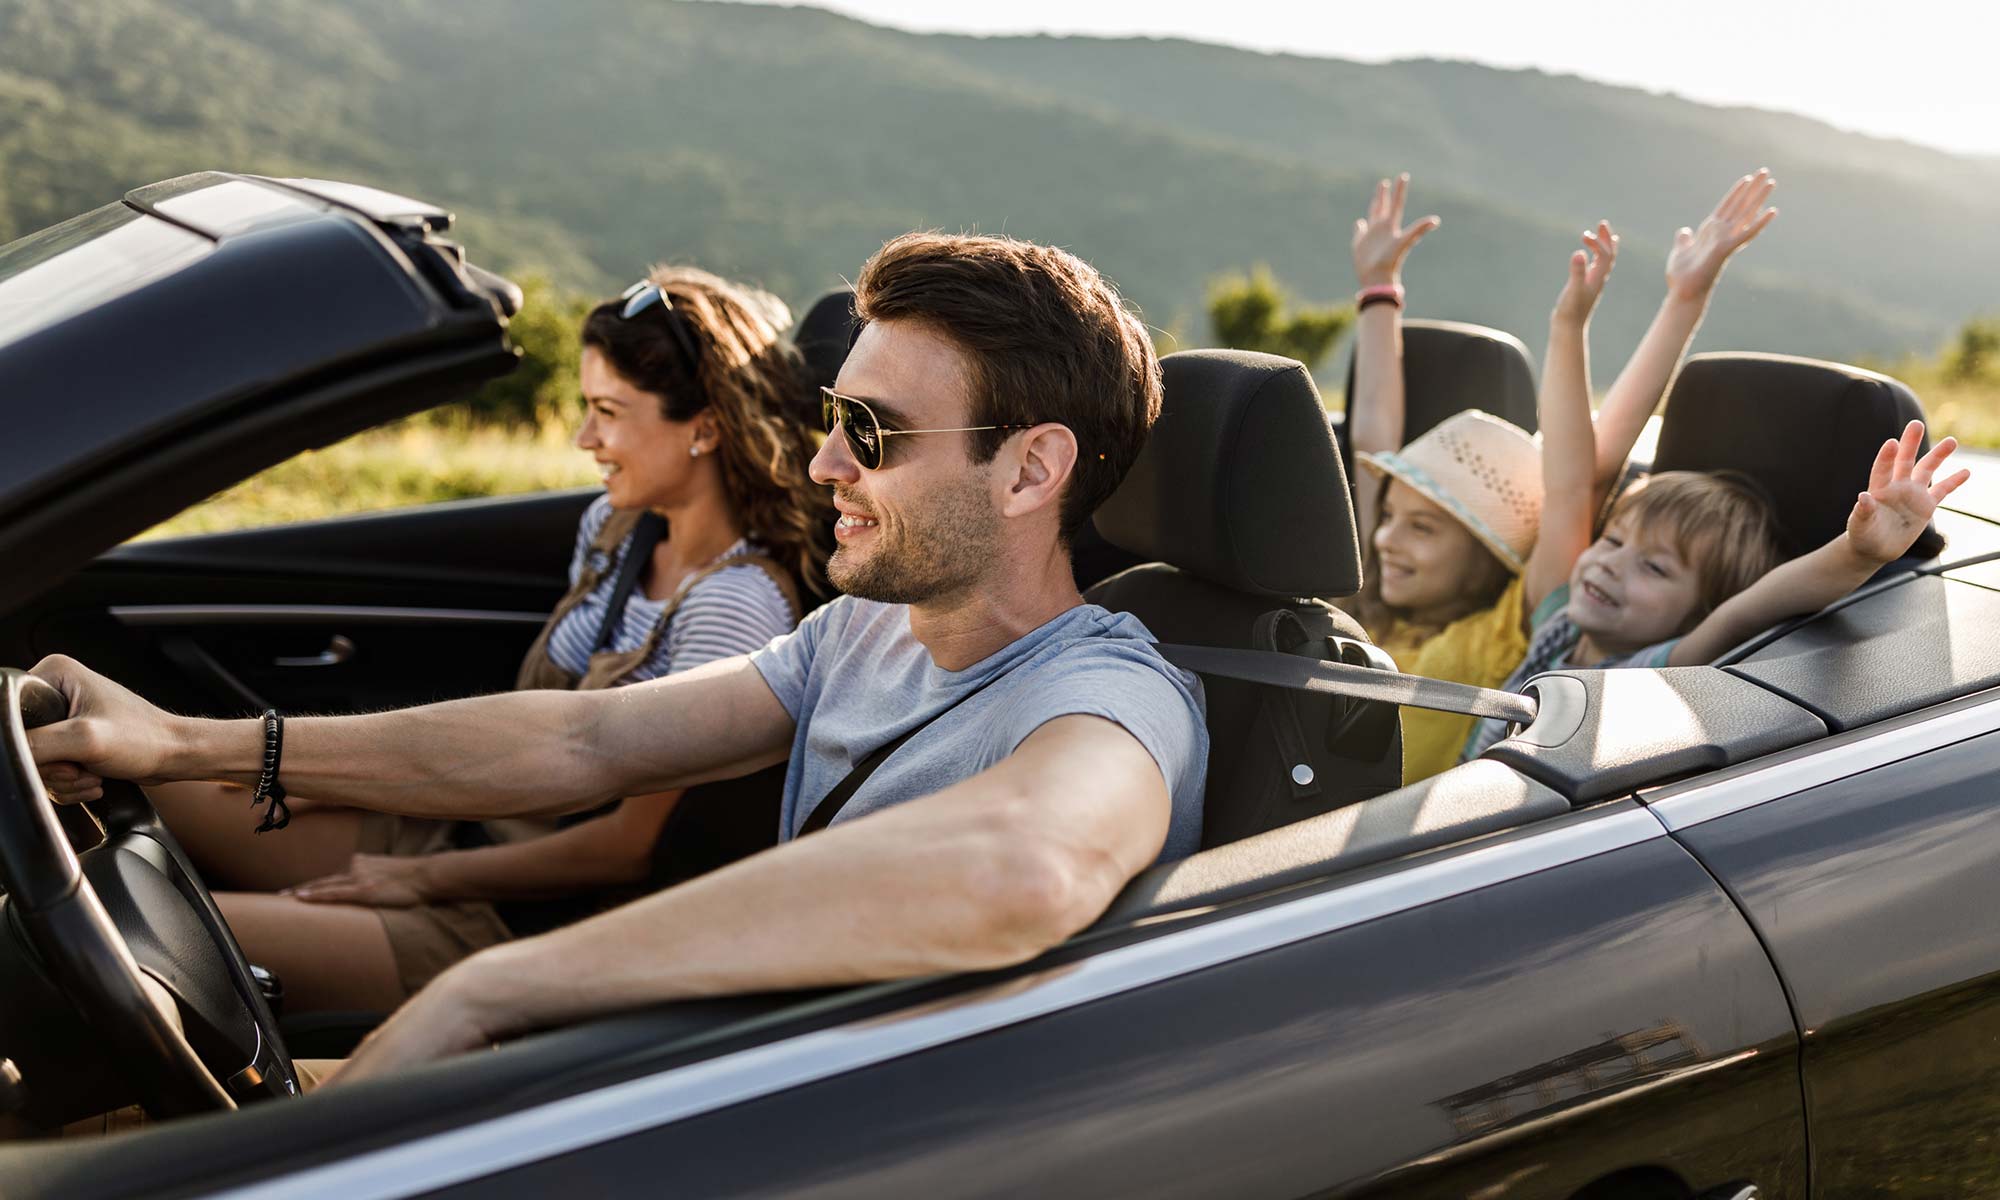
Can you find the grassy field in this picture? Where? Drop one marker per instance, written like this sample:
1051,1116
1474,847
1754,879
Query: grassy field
413,462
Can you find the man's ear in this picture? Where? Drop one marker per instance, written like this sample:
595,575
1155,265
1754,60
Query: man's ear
1042,461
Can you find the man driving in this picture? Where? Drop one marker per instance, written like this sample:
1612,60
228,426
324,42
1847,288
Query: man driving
998,392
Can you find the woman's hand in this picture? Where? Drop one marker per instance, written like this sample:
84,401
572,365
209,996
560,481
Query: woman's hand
1589,270
374,880
1380,241
1901,496
1698,256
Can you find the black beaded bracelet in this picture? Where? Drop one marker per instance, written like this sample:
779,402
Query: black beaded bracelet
269,790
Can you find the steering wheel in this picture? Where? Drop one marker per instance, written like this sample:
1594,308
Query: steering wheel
127,919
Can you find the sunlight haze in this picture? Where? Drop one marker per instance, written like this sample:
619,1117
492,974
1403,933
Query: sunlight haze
1920,70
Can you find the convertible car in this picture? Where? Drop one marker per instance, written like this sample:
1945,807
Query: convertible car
1715,931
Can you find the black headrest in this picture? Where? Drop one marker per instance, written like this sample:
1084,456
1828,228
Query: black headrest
1805,431
824,334
1448,367
1239,483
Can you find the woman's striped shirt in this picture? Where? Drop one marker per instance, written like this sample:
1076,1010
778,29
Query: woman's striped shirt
732,611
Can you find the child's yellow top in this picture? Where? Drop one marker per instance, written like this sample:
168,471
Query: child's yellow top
1480,649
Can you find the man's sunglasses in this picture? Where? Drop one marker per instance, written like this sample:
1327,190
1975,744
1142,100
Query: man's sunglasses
865,434
644,295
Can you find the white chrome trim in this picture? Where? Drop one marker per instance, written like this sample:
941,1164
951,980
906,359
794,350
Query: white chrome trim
574,1122
1820,762
141,615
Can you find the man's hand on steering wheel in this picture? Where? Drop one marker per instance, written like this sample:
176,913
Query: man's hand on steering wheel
111,733
131,908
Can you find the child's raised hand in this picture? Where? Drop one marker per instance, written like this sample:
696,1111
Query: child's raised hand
1380,240
1589,269
1696,261
1901,496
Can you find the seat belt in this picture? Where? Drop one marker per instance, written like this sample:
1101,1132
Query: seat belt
1279,712
645,535
1339,679
830,804
1269,667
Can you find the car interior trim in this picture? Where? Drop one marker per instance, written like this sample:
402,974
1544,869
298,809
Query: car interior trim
174,615
623,1109
1792,771
1892,576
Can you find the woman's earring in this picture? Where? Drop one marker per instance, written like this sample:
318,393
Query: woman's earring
694,451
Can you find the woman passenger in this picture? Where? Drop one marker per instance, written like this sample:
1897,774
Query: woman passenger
695,413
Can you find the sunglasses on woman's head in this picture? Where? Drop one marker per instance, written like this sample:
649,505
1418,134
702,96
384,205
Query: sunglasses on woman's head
644,295
865,434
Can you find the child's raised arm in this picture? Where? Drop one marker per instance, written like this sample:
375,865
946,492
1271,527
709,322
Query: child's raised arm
1375,410
1568,443
1693,267
1883,526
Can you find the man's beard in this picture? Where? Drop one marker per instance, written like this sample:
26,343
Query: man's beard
943,549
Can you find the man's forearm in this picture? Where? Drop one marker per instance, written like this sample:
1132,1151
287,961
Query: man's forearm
515,754
836,908
993,870
881,899
989,872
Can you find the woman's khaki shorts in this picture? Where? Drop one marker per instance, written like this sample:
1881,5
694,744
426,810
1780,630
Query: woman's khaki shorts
427,938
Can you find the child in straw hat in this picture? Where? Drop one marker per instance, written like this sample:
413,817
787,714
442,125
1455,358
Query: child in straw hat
1687,565
1449,528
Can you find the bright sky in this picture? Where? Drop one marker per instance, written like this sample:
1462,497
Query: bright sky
1923,70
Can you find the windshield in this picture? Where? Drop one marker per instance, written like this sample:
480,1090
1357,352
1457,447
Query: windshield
63,270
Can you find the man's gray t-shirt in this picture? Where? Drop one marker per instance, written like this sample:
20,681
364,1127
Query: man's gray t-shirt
854,678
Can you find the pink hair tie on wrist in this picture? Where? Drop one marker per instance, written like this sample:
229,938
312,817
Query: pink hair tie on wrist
1381,293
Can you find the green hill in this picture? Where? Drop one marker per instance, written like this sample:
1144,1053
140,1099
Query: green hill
783,145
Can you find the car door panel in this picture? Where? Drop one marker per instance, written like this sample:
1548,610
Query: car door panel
373,611
1605,1019
1876,893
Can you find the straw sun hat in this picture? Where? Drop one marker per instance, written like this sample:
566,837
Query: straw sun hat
1485,472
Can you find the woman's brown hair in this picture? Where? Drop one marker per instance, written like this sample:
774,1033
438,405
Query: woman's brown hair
753,382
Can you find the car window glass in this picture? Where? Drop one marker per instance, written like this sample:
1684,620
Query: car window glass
84,262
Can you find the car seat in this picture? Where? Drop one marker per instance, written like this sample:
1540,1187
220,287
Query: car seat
1240,511
1448,367
1804,431
1093,560
824,335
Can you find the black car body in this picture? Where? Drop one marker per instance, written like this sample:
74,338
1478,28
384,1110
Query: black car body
1693,931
